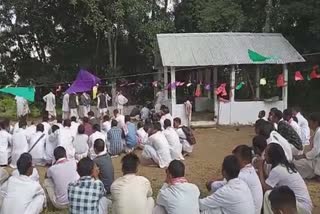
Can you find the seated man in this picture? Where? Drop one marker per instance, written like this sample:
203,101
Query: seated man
119,118
86,196
288,117
37,143
58,178
177,195
81,143
130,133
173,140
142,135
165,115
283,201
66,140
104,162
115,139
97,134
131,193
186,145
229,198
158,150
22,195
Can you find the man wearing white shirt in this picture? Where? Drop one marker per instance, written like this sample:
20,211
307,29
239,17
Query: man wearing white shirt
50,100
34,176
121,101
287,116
46,124
66,139
173,140
22,195
97,134
22,107
142,135
160,98
303,123
52,142
20,143
166,115
74,126
187,148
5,142
177,195
58,178
308,164
229,199
37,146
131,193
158,149
65,107
119,118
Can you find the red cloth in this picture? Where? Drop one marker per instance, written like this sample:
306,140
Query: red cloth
221,90
298,76
314,74
280,81
198,91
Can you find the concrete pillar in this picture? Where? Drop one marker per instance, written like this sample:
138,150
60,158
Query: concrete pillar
215,85
258,82
232,82
285,88
165,81
173,90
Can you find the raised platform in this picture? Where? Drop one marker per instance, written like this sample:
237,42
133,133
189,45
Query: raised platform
203,124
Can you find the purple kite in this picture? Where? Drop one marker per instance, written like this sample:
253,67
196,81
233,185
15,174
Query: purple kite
84,82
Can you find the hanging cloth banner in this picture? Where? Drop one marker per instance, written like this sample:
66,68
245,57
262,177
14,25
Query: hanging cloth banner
298,76
94,92
256,57
208,87
198,91
240,85
85,81
221,90
314,74
280,81
25,92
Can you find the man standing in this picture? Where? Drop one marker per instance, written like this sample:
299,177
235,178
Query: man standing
177,195
50,100
187,148
85,104
139,200
65,107
121,100
5,142
159,101
58,177
73,105
102,103
188,107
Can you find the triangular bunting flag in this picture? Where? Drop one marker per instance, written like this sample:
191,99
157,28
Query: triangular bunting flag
221,90
314,74
280,81
298,76
256,57
198,91
240,85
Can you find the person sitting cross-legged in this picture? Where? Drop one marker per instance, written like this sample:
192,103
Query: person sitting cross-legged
173,140
232,198
177,195
130,133
22,195
131,193
115,139
58,178
283,201
81,143
87,195
104,162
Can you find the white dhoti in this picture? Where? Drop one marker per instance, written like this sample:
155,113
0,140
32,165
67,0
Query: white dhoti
308,169
186,147
157,107
212,211
4,175
4,155
267,205
104,205
74,112
150,153
52,114
65,115
85,111
36,205
49,187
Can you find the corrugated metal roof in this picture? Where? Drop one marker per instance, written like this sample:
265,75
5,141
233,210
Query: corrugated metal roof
208,49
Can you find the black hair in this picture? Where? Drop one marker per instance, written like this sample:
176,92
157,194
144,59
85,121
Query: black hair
259,142
166,110
167,123
278,114
81,129
2,125
231,166
114,123
277,156
244,151
176,169
287,113
40,127
157,126
140,124
59,152
266,129
177,120
45,118
24,163
22,123
262,113
273,109
85,167
315,117
99,145
73,119
91,113
281,197
130,163
106,118
127,118
54,128
67,123
96,127
116,111
148,121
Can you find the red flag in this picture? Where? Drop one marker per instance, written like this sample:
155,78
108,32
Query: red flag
198,91
298,76
314,74
221,90
280,81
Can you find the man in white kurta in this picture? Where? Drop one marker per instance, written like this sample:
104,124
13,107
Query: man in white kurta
308,164
173,140
66,140
158,148
131,193
304,125
177,195
119,118
121,101
159,100
65,107
186,146
38,141
234,197
74,126
275,137
20,143
22,106
50,100
97,134
166,116
287,116
5,142
22,195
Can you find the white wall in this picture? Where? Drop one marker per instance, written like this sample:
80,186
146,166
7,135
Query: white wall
244,113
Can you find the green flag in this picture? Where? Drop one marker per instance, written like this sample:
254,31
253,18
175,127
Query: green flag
25,92
240,85
256,57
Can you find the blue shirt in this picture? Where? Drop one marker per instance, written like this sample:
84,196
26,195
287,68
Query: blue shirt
115,140
131,137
